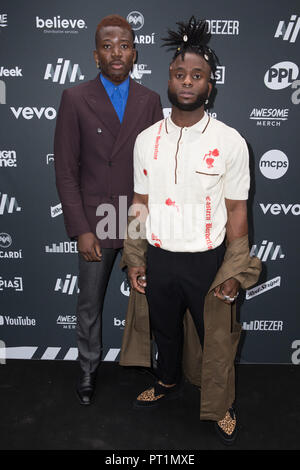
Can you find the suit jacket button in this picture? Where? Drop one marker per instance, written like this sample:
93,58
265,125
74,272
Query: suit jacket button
99,131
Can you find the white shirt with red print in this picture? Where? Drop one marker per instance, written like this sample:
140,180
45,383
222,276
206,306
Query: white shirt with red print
187,173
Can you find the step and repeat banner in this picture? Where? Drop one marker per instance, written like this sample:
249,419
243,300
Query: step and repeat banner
46,47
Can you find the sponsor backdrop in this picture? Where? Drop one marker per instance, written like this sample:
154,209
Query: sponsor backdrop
46,47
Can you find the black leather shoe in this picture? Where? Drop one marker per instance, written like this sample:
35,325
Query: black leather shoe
227,429
86,387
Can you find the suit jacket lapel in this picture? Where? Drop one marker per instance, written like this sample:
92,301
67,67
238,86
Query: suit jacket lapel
134,108
100,103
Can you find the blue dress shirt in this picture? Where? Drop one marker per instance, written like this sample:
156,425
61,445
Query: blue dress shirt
118,95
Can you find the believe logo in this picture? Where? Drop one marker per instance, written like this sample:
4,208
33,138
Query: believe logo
267,250
274,164
57,24
63,69
281,75
29,113
289,32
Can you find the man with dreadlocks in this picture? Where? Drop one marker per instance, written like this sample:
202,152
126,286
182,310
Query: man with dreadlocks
191,173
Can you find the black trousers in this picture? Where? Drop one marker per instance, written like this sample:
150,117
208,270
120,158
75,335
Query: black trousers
93,281
177,281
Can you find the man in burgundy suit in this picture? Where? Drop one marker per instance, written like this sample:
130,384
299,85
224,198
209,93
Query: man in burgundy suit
97,124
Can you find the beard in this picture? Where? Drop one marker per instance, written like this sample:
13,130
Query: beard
200,101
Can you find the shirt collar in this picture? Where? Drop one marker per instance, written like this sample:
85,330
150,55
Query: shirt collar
110,87
200,126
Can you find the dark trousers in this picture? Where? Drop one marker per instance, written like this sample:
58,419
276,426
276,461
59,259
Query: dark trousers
177,281
93,281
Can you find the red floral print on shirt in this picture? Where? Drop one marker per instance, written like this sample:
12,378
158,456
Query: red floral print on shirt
145,172
158,241
210,160
169,202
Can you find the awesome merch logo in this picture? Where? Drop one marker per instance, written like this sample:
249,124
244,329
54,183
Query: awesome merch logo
266,117
274,164
63,70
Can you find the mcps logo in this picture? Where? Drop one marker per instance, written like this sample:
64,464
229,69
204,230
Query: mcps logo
273,164
281,75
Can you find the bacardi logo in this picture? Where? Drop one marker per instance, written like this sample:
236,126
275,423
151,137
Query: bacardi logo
9,204
68,286
5,240
62,70
136,20
267,250
290,31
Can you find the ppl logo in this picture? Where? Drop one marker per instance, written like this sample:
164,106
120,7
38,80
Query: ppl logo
281,75
274,164
136,20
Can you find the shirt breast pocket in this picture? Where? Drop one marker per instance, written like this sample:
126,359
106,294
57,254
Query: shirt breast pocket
208,178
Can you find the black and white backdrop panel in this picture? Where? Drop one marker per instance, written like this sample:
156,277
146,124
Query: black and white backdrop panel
46,47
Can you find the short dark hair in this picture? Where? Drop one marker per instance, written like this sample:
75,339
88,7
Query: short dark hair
113,20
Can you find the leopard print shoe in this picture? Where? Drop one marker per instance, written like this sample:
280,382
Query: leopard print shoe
226,428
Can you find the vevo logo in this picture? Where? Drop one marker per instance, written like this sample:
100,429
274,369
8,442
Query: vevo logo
274,164
63,69
281,75
289,32
29,113
278,209
266,250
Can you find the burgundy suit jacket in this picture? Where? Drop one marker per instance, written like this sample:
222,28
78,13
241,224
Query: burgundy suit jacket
93,154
